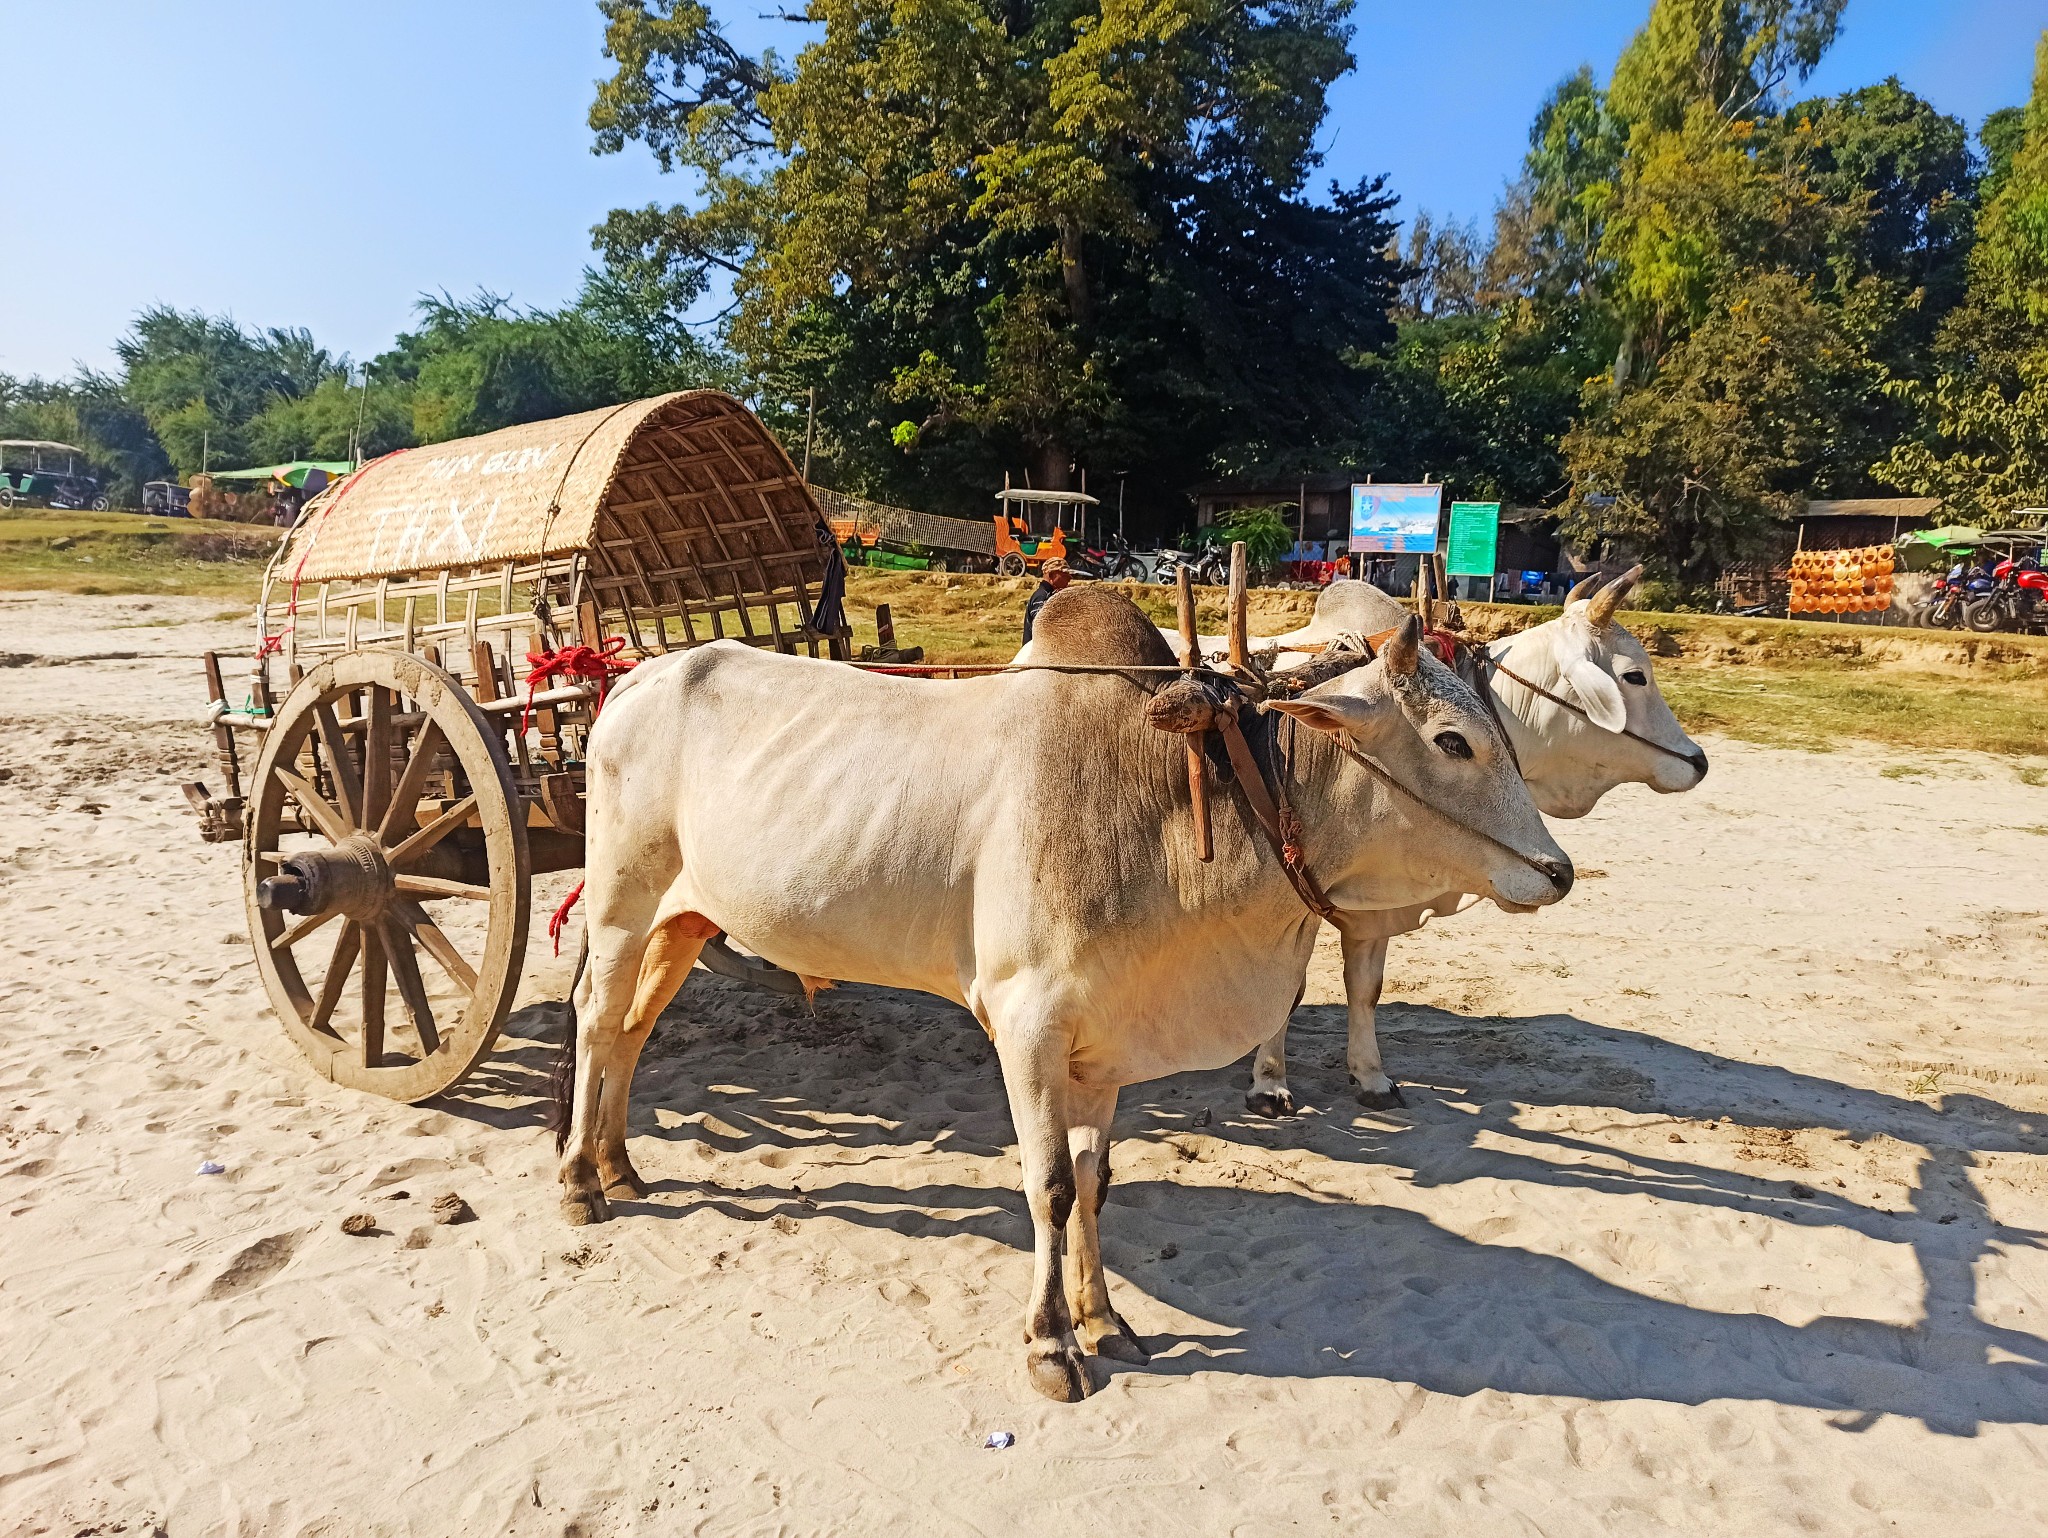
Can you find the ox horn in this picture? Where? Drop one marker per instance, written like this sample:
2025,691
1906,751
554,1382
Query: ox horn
1601,606
1583,588
1403,651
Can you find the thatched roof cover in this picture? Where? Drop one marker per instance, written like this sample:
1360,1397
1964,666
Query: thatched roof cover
661,488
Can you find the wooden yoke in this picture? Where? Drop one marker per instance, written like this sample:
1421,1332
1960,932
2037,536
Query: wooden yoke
1191,655
1240,642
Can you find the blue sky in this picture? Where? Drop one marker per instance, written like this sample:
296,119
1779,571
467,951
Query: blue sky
320,164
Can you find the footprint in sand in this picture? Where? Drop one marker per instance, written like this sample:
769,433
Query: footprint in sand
253,1266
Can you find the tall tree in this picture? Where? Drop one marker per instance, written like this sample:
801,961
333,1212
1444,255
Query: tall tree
1983,445
1054,231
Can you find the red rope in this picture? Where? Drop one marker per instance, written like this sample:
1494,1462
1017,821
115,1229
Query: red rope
599,664
561,918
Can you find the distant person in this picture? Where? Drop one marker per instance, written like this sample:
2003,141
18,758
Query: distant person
1052,578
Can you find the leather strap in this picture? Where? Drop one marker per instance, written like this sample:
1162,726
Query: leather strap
1578,710
1273,820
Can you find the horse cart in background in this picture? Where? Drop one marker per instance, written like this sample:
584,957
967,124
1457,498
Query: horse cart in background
403,747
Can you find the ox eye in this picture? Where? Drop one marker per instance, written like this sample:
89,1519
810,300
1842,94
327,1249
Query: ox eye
1454,743
1635,676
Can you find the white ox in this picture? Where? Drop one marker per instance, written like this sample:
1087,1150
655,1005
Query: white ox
1614,730
1022,845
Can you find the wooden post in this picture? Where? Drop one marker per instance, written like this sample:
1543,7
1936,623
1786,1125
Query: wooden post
223,734
1198,781
1240,643
885,627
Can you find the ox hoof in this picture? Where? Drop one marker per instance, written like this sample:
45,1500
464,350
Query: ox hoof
1381,1099
580,1209
1269,1102
1061,1373
625,1185
1119,1346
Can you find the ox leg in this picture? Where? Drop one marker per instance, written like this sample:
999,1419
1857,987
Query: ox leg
1035,1079
1097,1324
1269,1094
1365,972
664,966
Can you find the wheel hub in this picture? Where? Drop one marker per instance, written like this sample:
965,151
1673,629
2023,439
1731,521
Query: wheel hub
351,878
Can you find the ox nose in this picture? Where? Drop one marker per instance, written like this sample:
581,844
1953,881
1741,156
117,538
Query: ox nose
1699,763
1560,873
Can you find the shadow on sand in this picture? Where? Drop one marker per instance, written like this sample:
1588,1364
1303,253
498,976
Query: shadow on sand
1330,1287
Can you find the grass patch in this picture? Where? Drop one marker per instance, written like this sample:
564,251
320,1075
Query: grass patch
116,553
1778,682
1901,772
2034,775
1817,707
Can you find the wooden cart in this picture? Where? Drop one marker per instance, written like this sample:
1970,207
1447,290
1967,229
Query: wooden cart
403,747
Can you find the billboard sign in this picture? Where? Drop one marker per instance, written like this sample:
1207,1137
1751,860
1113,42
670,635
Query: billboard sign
1395,520
1475,538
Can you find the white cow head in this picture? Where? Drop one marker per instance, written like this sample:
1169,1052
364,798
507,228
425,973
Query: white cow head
1435,737
1572,760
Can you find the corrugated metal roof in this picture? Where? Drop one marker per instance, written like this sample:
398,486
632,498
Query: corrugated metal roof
1874,507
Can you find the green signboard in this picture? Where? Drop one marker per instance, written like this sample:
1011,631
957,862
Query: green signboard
1475,532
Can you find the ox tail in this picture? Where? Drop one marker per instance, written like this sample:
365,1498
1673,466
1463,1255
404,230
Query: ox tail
562,1081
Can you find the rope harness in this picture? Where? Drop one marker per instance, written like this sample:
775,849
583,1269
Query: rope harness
1486,659
1214,701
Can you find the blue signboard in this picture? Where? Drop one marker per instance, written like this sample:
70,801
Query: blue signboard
1395,520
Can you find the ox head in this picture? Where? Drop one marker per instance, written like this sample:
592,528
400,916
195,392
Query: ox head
1479,832
1627,734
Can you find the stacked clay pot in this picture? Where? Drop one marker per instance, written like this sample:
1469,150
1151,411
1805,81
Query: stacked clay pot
1842,581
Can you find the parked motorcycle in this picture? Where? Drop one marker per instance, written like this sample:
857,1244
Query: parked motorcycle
1115,562
2018,599
1953,593
1209,566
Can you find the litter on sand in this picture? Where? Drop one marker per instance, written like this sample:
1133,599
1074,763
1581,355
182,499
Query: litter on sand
1001,1439
210,1168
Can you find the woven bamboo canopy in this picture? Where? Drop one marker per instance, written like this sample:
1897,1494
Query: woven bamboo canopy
688,488
678,519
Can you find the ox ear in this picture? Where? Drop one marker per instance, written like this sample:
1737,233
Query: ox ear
1333,713
1597,691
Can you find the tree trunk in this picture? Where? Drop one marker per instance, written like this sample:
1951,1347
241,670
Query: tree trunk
1054,467
1072,271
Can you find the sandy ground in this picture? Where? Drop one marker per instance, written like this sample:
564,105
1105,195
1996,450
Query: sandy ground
1719,1206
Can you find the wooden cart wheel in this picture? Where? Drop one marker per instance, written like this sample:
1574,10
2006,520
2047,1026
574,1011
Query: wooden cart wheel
382,827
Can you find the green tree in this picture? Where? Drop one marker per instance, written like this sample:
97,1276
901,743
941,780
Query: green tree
1699,460
1983,443
1056,231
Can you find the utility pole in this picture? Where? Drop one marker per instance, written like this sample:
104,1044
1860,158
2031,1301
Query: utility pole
810,430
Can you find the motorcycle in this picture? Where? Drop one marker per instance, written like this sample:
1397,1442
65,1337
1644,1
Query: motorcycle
1953,593
1115,562
1209,567
2018,599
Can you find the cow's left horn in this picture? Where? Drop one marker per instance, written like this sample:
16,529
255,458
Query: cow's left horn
1585,587
1600,608
1403,651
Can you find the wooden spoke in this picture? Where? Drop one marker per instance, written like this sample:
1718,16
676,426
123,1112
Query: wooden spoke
314,805
338,967
353,754
406,798
342,767
294,933
426,838
434,886
377,757
373,995
435,942
405,971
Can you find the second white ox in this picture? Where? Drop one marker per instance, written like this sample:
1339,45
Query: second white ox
1023,846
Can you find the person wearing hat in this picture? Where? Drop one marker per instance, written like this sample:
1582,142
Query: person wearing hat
1052,577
